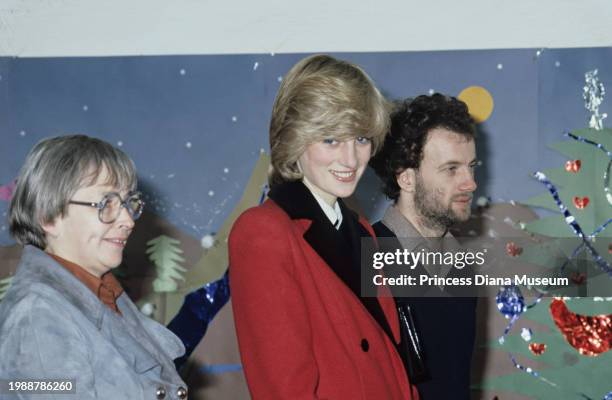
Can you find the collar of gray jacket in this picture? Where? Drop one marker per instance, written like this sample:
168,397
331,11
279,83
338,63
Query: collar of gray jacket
37,267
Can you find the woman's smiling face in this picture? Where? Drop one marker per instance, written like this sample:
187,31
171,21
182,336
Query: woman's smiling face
80,237
333,167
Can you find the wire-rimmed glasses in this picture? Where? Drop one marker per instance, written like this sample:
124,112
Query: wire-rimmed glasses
110,206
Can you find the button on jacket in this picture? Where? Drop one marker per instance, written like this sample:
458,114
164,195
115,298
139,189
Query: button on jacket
54,327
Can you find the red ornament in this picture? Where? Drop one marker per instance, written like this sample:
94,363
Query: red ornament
610,248
573,166
581,203
578,278
590,335
537,348
513,250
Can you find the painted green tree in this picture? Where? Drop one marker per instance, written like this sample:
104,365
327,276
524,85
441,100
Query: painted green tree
5,283
165,253
564,373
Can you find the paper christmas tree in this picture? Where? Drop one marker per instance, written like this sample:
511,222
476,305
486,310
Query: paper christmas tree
4,285
561,346
165,253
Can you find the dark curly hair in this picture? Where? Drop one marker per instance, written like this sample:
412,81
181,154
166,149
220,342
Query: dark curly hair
410,122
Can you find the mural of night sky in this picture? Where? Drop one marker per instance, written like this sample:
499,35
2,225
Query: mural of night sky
195,125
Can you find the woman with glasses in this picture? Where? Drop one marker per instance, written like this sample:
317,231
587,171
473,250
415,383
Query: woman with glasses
304,331
65,319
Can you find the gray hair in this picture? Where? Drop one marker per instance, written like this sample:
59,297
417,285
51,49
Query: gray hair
53,171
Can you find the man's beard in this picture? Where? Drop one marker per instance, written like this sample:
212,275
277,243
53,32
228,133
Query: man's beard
429,205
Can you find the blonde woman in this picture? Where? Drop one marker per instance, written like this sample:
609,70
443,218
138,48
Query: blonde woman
304,331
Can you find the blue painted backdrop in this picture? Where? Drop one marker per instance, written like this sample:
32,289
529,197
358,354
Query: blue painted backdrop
195,125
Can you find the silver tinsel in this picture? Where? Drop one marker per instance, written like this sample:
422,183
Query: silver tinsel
593,93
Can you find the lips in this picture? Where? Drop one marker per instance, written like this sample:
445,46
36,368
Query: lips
117,241
462,199
344,176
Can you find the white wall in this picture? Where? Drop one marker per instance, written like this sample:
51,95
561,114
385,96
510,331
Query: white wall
32,28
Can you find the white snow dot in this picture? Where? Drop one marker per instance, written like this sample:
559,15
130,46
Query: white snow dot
120,143
225,170
234,118
255,66
500,66
85,107
280,79
509,221
207,241
272,54
182,71
211,193
0,77
557,64
431,91
22,133
170,176
538,53
482,201
261,151
188,145
147,309
526,334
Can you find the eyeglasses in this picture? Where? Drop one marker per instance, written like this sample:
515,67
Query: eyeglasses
110,206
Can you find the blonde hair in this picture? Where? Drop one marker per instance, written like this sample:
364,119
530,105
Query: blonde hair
323,98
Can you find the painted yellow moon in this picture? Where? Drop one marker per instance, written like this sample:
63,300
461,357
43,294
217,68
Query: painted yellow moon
479,102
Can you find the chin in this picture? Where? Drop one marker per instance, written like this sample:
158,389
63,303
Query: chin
463,213
113,263
344,194
462,217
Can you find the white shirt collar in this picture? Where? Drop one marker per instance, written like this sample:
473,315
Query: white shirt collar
334,214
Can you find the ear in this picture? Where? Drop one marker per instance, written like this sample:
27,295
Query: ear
406,180
52,229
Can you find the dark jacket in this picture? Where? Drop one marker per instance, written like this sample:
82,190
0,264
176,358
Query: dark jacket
447,330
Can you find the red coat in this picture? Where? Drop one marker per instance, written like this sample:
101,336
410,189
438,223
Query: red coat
302,331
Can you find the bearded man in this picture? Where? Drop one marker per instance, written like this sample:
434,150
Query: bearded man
427,168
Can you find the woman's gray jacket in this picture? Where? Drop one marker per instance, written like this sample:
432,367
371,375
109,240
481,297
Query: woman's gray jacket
53,327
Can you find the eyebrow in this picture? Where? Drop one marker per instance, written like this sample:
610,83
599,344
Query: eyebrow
454,163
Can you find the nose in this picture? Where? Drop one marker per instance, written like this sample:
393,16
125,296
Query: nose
125,219
468,184
348,156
